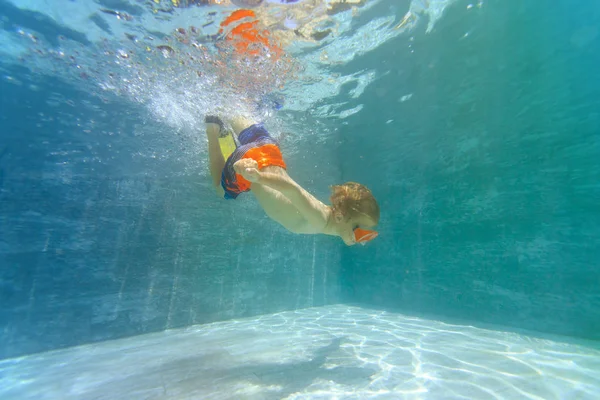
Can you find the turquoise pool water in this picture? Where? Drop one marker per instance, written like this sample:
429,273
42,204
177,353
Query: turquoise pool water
474,124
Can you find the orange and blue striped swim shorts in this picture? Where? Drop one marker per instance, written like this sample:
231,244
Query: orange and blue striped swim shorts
255,143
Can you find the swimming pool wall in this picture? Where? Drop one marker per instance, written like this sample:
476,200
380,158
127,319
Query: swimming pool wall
98,242
489,175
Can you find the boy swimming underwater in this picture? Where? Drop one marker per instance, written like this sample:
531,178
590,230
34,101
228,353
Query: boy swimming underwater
257,163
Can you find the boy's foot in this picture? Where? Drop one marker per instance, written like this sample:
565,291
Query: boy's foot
213,119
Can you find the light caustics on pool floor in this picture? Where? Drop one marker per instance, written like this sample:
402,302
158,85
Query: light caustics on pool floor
320,353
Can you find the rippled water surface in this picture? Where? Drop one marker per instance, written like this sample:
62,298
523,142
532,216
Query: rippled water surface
173,57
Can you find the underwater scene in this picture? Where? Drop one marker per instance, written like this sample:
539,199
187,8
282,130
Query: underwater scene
299,199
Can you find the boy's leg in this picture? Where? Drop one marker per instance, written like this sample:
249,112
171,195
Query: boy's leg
215,156
240,123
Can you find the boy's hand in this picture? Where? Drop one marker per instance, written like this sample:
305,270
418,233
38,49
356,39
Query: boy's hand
248,168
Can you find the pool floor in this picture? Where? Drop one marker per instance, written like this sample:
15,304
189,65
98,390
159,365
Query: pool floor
333,352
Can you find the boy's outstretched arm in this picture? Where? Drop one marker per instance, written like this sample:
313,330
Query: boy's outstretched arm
314,211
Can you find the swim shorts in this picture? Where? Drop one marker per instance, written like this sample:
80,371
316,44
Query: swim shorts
257,144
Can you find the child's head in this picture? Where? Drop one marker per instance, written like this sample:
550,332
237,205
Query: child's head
353,206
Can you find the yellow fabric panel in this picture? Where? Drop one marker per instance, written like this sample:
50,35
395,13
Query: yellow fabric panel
227,145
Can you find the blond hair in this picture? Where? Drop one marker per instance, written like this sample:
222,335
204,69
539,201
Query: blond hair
352,199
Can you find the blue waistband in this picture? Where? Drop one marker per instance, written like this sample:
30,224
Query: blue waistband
252,134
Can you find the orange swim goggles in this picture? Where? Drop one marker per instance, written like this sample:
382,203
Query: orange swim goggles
363,236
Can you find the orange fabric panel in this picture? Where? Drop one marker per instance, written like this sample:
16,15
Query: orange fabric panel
237,15
266,155
246,34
